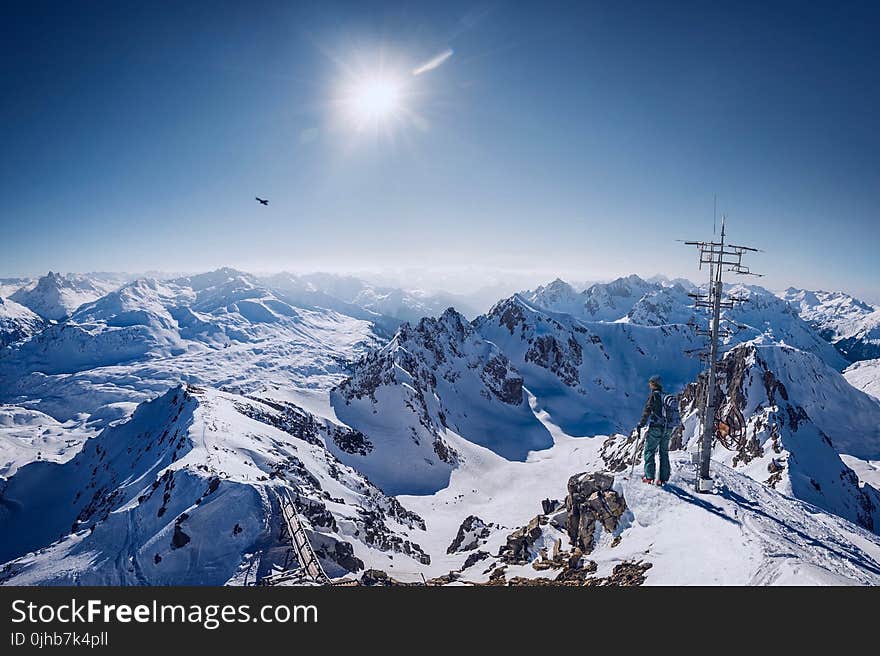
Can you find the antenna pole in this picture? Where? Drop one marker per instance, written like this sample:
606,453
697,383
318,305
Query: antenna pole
717,255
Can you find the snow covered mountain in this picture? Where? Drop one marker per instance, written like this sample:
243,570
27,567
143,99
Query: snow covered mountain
9,286
766,319
17,322
145,434
835,314
55,296
633,300
343,293
853,326
219,329
433,386
186,492
864,343
600,302
802,416
589,376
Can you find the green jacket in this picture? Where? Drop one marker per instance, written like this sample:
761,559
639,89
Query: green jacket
653,412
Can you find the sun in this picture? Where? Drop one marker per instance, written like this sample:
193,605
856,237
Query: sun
376,98
374,101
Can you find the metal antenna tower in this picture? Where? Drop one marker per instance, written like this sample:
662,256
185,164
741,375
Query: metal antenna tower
718,257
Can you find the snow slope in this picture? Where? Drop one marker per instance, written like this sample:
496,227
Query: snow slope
745,534
17,322
27,435
433,385
220,329
865,375
185,493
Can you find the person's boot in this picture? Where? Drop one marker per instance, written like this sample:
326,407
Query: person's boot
649,481
660,483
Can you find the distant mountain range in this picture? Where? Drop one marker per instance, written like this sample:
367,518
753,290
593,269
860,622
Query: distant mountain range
147,427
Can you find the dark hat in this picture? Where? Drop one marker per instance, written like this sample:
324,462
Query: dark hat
656,380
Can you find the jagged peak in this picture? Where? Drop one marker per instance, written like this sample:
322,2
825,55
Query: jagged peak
557,284
451,323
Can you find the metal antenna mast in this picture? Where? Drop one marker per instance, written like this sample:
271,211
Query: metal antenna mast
719,257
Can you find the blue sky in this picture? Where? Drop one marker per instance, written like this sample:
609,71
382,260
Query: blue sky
571,138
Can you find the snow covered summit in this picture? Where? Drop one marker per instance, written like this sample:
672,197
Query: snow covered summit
433,386
55,296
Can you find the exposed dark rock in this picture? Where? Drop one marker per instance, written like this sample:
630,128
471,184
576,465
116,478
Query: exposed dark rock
376,577
519,547
287,417
377,534
444,579
498,574
474,558
503,380
471,534
627,574
179,539
617,452
341,553
591,501
351,441
624,574
549,505
562,360
575,571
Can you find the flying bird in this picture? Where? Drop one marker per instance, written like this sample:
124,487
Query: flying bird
261,201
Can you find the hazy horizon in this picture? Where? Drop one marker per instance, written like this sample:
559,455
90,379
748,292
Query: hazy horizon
464,283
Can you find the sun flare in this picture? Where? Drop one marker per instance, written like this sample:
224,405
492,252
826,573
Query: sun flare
376,98
374,101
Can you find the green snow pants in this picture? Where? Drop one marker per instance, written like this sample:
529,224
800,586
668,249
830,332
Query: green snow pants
657,439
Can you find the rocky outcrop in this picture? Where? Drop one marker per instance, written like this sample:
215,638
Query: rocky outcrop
618,451
563,359
502,380
475,558
591,503
471,534
519,548
629,573
377,577
341,553
799,415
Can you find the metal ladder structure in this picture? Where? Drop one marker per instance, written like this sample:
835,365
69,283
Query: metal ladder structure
302,548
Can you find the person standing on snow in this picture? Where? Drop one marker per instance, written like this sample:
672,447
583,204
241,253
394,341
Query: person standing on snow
658,435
